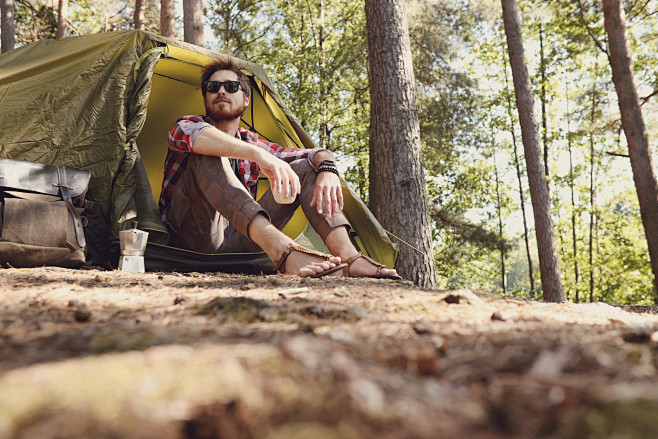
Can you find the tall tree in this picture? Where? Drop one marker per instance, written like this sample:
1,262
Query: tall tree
574,210
592,187
193,22
548,262
501,235
634,128
7,25
167,18
519,177
544,115
62,18
398,196
138,16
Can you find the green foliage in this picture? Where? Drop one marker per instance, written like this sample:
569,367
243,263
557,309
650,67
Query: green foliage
447,97
34,20
622,269
37,19
456,150
237,25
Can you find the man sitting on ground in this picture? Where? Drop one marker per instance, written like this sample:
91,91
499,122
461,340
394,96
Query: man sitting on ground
208,201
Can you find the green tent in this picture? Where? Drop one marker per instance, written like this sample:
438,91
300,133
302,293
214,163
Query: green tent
105,103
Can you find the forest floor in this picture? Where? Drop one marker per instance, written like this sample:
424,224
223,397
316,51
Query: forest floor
106,354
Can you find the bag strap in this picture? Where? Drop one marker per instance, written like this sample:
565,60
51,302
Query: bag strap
64,190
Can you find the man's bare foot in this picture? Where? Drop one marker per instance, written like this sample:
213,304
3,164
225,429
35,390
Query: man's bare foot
360,265
304,262
288,256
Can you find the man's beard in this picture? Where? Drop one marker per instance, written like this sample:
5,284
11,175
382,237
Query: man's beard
220,114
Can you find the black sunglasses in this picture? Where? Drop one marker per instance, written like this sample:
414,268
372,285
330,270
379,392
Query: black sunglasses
229,86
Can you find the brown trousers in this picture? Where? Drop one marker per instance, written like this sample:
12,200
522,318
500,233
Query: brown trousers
211,209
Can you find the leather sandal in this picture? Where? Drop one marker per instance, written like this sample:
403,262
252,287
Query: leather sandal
378,275
281,265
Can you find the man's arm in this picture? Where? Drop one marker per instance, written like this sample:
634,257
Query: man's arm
216,143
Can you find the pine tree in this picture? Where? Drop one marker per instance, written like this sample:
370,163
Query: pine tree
548,262
398,196
634,128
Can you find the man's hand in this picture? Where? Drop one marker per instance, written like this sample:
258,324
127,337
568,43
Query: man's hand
328,195
280,175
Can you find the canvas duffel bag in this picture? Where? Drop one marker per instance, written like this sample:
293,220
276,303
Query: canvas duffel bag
40,214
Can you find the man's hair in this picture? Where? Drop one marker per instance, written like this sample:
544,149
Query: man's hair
225,63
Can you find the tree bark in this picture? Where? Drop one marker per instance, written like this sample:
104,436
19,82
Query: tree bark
517,166
62,18
592,189
544,115
592,211
167,19
549,265
7,25
634,128
138,16
193,22
499,208
398,196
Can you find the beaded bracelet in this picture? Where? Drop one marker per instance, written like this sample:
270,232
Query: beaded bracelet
327,169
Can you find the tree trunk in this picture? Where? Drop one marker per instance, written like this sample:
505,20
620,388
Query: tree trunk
544,116
62,18
634,129
398,196
499,208
7,25
517,165
138,16
572,187
573,228
526,232
167,19
193,22
591,212
549,265
592,189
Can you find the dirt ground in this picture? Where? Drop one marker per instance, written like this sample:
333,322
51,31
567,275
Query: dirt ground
106,354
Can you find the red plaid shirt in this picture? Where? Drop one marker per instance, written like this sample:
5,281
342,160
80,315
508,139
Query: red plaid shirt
181,143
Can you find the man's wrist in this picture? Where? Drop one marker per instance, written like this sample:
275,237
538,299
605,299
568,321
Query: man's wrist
320,156
331,169
259,154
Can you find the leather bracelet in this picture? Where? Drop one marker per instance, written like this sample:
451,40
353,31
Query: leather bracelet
327,163
328,169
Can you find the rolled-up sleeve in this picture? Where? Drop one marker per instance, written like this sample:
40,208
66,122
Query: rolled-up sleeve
185,132
312,152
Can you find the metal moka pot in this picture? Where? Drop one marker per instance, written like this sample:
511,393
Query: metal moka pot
133,243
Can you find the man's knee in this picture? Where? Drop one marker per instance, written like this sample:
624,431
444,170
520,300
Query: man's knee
202,164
